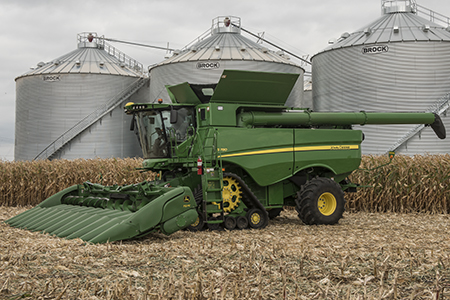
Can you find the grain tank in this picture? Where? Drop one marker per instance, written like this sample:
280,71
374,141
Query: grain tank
222,47
398,62
71,107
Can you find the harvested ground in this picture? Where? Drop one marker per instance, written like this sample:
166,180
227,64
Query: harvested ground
366,256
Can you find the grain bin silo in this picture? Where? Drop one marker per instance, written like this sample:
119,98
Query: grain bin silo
399,62
223,47
72,107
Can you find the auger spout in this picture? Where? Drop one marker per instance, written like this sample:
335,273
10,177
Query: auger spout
307,118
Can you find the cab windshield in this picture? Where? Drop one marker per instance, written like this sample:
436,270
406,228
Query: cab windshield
158,136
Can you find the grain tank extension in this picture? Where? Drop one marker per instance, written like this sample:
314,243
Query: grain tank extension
227,155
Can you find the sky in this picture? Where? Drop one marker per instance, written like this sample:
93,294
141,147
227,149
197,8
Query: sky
33,31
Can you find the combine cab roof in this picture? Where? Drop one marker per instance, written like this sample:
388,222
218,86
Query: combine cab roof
238,87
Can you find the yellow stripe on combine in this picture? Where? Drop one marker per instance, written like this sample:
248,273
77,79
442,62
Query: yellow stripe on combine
294,149
332,147
280,150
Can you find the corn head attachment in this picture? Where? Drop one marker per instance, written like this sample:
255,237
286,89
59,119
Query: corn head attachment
99,214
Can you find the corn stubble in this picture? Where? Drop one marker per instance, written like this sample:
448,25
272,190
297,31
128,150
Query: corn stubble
366,256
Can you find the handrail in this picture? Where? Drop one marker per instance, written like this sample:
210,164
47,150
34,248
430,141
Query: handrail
111,50
122,57
200,38
90,119
434,16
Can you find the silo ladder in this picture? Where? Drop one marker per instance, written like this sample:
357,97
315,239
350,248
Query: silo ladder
90,119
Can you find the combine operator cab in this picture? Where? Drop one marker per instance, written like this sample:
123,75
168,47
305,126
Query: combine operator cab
161,130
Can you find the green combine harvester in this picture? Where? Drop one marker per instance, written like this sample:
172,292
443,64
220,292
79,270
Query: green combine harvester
225,155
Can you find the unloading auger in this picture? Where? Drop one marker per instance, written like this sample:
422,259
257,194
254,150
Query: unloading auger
228,155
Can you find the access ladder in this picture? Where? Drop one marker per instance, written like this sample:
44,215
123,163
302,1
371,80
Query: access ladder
212,184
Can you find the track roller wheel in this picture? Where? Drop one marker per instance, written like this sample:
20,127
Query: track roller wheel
229,223
320,202
197,225
256,218
241,222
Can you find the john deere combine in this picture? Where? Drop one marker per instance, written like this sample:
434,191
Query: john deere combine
226,155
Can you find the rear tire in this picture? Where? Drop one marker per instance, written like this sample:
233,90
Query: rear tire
321,201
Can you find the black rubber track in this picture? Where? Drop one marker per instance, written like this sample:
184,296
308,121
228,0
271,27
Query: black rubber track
251,201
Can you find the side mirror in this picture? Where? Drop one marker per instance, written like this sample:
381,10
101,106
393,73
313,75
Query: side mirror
173,115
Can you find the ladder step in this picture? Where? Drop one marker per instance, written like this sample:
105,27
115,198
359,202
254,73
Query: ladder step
214,179
218,201
214,222
214,190
214,211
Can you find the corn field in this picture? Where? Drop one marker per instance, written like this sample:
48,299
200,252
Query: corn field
408,184
30,182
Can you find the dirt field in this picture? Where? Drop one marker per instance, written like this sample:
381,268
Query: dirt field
366,256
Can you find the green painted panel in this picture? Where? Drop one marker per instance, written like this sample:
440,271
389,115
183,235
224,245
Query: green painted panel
334,149
254,87
182,93
265,153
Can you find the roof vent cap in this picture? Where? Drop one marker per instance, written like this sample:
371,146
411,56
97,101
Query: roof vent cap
425,27
345,35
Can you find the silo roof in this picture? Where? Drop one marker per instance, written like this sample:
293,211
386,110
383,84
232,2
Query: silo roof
91,57
399,26
227,43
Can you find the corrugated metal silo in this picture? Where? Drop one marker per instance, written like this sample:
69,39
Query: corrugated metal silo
72,107
223,48
399,62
